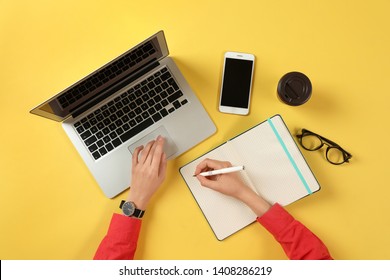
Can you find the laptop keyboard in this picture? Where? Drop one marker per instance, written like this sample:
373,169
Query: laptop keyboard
130,113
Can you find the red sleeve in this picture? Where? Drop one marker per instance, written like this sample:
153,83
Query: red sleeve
297,241
120,242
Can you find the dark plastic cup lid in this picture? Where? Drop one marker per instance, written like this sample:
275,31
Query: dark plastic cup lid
294,88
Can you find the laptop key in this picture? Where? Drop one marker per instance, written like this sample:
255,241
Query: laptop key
100,125
90,140
103,151
86,125
109,147
80,129
138,119
170,90
126,127
85,135
177,104
165,76
92,148
94,129
119,131
175,96
164,112
96,155
151,111
137,129
116,142
156,117
157,81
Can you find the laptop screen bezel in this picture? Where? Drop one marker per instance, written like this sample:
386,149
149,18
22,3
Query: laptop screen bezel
44,108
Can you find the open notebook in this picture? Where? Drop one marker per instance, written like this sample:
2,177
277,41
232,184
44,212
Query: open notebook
274,168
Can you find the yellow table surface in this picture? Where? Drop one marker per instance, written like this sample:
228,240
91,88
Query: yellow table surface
51,207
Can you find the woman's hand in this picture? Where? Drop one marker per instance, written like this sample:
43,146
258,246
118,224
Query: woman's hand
148,172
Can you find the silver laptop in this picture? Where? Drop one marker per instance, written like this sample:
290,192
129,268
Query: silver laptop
124,104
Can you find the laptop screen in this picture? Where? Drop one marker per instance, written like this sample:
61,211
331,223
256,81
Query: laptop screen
97,83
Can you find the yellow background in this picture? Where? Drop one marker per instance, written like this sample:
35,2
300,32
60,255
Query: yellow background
51,207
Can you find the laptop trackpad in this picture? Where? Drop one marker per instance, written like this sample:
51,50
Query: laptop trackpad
170,147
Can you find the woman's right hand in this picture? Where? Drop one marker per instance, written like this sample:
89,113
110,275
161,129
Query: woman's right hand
230,184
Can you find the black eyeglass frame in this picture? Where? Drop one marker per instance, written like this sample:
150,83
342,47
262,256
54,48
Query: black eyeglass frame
331,145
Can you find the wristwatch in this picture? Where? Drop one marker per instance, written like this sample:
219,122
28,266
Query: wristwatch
129,209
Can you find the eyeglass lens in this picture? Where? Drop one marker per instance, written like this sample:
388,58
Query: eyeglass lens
312,143
335,155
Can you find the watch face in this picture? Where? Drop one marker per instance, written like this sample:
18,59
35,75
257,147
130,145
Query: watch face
128,208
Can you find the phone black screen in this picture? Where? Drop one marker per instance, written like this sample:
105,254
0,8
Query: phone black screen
236,83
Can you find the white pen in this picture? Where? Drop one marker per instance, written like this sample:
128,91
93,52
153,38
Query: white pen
222,171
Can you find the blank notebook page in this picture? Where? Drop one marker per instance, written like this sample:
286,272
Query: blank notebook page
279,176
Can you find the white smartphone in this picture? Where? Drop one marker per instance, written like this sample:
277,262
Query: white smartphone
236,86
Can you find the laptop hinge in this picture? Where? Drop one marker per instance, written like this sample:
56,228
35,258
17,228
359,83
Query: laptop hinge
113,89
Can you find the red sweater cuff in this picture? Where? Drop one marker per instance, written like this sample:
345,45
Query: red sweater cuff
121,239
127,226
275,219
297,241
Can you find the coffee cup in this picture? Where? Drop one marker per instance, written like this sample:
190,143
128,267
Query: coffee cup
294,89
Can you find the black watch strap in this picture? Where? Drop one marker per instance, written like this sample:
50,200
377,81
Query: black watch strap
138,213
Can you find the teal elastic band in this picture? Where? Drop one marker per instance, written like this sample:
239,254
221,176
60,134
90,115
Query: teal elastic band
289,156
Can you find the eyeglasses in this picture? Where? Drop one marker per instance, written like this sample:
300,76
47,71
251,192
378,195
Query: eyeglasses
334,153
